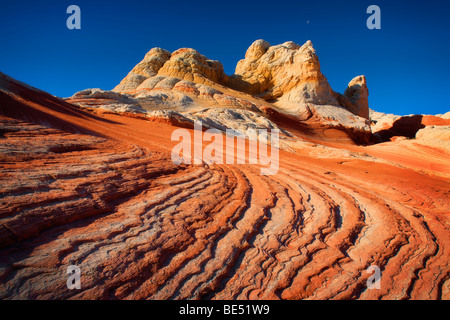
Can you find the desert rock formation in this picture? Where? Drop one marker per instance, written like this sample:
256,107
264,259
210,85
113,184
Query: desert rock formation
284,79
358,94
148,67
386,127
286,71
89,181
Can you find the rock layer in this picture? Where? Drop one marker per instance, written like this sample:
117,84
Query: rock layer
99,191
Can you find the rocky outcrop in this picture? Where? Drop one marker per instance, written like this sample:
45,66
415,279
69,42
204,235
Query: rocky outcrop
287,74
285,77
434,133
106,100
148,67
389,126
358,94
290,76
381,121
188,64
446,115
286,70
182,64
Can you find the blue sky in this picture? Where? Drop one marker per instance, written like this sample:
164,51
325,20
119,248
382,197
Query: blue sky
406,62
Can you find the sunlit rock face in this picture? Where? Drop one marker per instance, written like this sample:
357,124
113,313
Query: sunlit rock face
285,77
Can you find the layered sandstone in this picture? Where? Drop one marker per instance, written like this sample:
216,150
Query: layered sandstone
183,64
286,71
81,186
285,79
290,75
357,93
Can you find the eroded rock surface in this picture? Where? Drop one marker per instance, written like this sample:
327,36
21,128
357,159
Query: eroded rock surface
99,190
285,77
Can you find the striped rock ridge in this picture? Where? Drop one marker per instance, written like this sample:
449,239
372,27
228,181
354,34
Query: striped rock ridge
86,184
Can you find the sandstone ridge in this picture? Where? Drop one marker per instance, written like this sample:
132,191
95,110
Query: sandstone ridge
284,79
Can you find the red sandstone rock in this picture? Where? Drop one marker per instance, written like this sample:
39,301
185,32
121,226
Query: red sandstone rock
99,191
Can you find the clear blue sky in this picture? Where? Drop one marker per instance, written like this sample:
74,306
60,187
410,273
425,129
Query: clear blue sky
406,62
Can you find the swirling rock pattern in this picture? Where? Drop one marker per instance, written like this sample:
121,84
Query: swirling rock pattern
99,191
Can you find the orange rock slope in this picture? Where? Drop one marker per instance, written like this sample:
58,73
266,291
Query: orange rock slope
99,190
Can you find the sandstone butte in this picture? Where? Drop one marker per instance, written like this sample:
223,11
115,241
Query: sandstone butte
89,181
